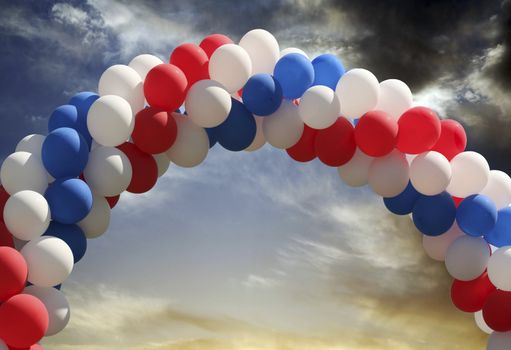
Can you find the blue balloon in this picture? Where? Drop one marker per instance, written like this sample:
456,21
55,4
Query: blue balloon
434,215
239,129
70,200
500,235
403,203
72,235
295,74
66,116
65,153
262,94
328,69
476,215
82,101
211,136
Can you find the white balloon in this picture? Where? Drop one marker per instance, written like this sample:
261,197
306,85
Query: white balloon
355,173
230,65
27,215
467,257
470,172
436,246
97,221
410,157
23,171
208,103
192,143
358,91
57,305
125,82
283,128
293,50
499,341
389,175
108,171
110,120
430,173
142,64
31,144
49,259
498,188
498,268
319,107
395,98
481,323
259,139
162,162
263,49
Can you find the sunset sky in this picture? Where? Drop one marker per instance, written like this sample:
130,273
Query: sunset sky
253,251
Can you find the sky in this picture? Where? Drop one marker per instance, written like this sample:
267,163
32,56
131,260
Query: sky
253,250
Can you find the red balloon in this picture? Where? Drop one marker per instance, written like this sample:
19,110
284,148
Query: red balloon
23,321
303,150
497,311
192,60
13,273
4,196
335,145
212,42
145,169
6,239
376,133
470,296
457,201
155,130
452,140
419,130
112,201
165,87
33,347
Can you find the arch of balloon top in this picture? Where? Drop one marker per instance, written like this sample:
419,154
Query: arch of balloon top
58,190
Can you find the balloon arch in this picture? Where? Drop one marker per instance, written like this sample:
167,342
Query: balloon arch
58,190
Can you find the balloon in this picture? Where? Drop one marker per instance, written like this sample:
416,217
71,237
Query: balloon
403,203
31,144
96,223
4,196
295,74
434,215
283,128
376,133
319,107
212,42
470,296
192,60
70,200
191,146
497,311
293,50
419,130
142,64
112,201
13,273
110,120
155,130
162,163
211,136
358,91
452,140
498,188
67,116
498,268
108,171
499,341
72,235
262,94
476,215
144,168
479,320
49,260
26,215
355,173
56,304
304,150
123,81
165,87
6,238
263,49
335,145
230,65
239,129
208,103
470,173
23,171
388,175
436,246
328,69
500,235
23,320
395,98
467,257
430,173
259,139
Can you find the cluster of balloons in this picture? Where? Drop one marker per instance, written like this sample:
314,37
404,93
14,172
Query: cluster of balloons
58,190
